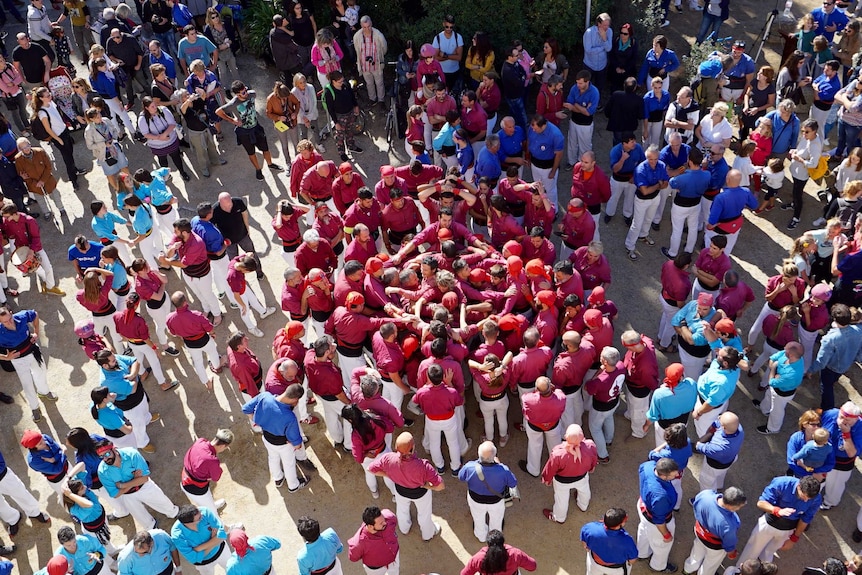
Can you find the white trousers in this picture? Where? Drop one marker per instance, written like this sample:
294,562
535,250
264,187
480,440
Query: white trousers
774,406
712,477
705,207
655,134
705,421
282,462
658,430
594,568
679,218
219,269
423,514
251,303
808,339
435,429
33,377
150,247
624,191
11,486
393,568
757,326
562,494
651,542
393,393
339,429
206,500
202,288
574,412
221,560
149,495
637,410
106,322
692,366
552,438
197,355
578,141
371,479
498,408
45,272
702,559
644,211
833,487
144,352
125,441
550,184
763,542
665,328
347,365
160,320
486,517
140,416
663,196
697,289
164,223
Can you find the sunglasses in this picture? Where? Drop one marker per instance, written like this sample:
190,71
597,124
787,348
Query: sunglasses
624,33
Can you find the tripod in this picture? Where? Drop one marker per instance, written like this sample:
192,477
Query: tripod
765,31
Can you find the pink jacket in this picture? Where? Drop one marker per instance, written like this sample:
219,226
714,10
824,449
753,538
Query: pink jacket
10,81
326,63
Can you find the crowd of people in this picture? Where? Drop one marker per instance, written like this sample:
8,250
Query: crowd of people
443,276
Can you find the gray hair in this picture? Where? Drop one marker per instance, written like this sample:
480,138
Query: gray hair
674,137
224,436
610,355
311,236
492,140
787,104
286,365
630,337
596,247
369,384
365,19
487,452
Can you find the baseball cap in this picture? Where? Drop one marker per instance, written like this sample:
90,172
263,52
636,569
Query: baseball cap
31,438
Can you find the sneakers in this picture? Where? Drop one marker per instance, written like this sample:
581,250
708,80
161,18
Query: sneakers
647,240
408,422
13,527
258,174
6,550
303,483
306,465
455,472
856,537
355,149
522,464
549,515
37,415
633,254
55,291
607,219
149,448
764,430
7,399
665,24
171,351
825,507
255,331
437,530
628,221
269,311
793,223
605,460
81,172
217,320
375,495
666,253
343,157
311,420
50,396
43,518
656,227
280,482
669,568
755,402
275,167
504,440
787,206
155,417
819,222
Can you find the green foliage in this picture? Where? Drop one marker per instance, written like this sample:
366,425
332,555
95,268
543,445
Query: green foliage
258,23
699,53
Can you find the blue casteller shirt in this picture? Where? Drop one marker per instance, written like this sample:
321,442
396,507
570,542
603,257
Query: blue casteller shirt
723,448
511,145
543,146
156,190
38,459
487,165
743,68
655,106
466,158
646,175
718,173
681,455
835,18
14,337
274,417
720,522
829,421
781,492
87,514
209,233
156,561
794,444
256,561
103,227
667,60
187,539
319,554
89,258
130,461
498,476
120,277
115,380
589,100
612,546
717,385
728,205
658,496
788,376
636,156
110,416
80,561
695,323
670,404
142,221
674,161
691,184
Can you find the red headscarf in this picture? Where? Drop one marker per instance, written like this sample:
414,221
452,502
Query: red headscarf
239,541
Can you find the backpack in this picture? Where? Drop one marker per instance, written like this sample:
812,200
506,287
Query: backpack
37,128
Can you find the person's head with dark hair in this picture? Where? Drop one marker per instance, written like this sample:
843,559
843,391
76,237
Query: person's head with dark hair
205,210
728,357
237,87
666,468
439,347
583,79
831,566
496,555
322,346
370,515
65,535
809,487
630,85
309,528
731,278
435,374
682,260
840,314
188,514
628,138
676,436
614,518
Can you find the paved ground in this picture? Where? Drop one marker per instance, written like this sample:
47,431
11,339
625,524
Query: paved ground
338,495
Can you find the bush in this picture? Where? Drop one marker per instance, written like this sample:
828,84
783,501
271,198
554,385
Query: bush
257,24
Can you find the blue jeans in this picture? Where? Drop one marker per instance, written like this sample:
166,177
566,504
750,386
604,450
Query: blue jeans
848,135
169,44
519,113
709,24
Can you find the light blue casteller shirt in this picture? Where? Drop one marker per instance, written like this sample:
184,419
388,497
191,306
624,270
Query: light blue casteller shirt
258,558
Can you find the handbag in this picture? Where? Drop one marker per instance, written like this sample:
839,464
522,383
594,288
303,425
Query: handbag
820,170
509,494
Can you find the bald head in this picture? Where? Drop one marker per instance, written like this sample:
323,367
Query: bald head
734,178
543,385
572,340
793,350
487,452
729,421
404,443
288,369
323,169
589,156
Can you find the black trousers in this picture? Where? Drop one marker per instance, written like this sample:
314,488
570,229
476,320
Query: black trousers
67,151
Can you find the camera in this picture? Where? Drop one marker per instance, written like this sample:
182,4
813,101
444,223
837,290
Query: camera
369,59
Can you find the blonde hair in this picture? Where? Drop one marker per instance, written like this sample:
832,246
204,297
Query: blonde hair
800,244
196,66
820,436
852,189
807,20
746,148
